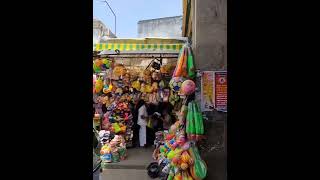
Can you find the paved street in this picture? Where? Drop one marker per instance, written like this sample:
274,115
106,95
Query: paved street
133,168
124,174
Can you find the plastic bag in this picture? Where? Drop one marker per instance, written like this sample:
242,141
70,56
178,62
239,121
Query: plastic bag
196,119
178,70
199,169
190,65
200,119
184,70
190,121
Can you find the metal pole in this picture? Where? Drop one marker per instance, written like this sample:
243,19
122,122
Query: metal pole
115,18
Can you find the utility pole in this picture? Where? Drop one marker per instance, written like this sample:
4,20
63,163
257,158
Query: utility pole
115,17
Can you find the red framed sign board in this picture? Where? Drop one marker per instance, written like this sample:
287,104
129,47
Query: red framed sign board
221,95
214,91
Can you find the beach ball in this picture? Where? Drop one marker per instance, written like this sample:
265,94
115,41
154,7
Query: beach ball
176,83
188,87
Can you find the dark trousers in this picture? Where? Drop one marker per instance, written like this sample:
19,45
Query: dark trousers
135,139
150,136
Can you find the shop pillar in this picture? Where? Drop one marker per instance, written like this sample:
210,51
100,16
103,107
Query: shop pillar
209,44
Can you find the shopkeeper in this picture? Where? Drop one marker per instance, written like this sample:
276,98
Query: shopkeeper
142,122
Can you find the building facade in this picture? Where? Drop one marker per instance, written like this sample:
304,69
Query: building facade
100,30
161,27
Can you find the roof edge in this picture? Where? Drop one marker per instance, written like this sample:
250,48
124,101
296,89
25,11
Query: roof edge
146,20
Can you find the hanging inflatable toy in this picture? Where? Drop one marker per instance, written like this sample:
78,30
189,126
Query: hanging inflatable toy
96,68
98,62
106,63
175,83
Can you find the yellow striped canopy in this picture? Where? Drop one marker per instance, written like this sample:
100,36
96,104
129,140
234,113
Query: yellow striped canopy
135,47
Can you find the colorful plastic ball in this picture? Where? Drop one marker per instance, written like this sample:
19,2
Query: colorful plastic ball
188,87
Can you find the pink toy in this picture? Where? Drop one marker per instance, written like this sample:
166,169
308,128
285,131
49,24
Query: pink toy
188,87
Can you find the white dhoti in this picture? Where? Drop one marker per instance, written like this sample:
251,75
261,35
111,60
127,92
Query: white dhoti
143,135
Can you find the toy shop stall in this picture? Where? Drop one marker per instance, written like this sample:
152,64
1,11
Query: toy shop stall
125,71
159,71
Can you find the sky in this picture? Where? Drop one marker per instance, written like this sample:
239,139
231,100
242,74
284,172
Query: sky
129,12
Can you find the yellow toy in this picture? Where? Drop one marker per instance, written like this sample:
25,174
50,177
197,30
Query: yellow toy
143,88
99,85
136,85
148,88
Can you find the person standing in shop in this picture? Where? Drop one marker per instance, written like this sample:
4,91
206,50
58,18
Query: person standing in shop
135,127
142,122
166,117
135,113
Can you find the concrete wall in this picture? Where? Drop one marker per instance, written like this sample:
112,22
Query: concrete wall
162,27
210,34
209,43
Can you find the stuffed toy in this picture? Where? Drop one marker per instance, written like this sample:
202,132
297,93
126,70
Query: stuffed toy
119,70
147,79
119,91
136,85
153,98
155,87
148,88
166,95
147,72
143,88
156,76
163,84
165,69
